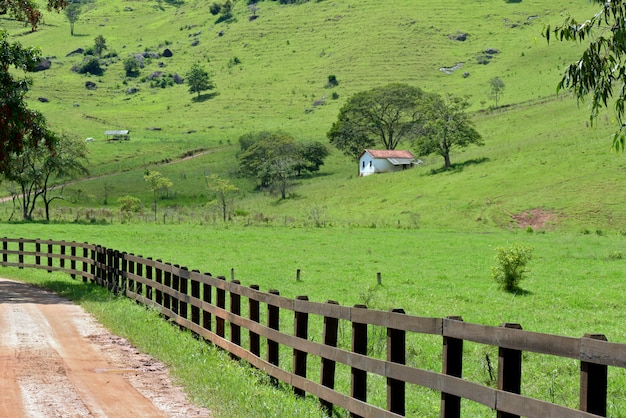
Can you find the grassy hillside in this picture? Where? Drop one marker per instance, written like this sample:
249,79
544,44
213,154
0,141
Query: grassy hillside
538,153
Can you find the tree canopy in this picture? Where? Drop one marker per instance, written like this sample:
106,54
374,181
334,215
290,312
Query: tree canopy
383,116
19,125
35,167
601,70
274,157
199,80
446,127
28,10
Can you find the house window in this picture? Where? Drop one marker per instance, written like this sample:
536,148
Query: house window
363,164
370,163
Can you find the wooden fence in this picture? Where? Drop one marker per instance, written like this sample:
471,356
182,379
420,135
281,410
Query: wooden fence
198,301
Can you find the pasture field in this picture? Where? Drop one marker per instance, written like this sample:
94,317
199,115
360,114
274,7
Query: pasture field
575,284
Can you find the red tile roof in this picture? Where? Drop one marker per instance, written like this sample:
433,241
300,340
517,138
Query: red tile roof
388,153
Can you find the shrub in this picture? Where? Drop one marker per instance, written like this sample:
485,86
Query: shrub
131,66
92,66
512,262
215,8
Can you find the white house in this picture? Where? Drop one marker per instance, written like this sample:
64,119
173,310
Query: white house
384,161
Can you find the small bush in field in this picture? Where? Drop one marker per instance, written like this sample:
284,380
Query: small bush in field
512,261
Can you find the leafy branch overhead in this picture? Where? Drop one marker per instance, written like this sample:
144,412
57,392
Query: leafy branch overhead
601,70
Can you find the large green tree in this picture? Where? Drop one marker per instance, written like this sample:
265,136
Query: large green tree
600,72
273,158
381,117
446,127
39,171
28,10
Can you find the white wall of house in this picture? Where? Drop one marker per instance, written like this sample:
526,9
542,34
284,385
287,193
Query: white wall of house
370,165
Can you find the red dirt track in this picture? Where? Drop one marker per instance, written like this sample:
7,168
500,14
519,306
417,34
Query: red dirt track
56,361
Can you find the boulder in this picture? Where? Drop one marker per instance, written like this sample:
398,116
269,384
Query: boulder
178,79
43,65
90,85
132,90
167,53
43,99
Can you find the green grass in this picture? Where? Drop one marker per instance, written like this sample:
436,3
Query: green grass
538,152
575,286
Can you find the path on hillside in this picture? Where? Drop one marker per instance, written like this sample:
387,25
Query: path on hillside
115,173
57,361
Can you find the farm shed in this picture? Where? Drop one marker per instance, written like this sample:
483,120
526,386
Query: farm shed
384,161
117,135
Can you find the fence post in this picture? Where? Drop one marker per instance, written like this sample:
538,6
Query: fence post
124,271
37,252
184,289
396,353
206,298
130,286
73,259
20,255
5,248
159,279
175,287
509,370
117,276
167,284
358,383
139,285
50,249
62,259
301,330
195,293
273,322
149,279
221,303
593,383
253,307
94,265
452,365
85,256
327,375
235,309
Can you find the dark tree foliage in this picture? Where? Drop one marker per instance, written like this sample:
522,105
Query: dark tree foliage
446,127
601,70
28,10
19,126
383,117
274,157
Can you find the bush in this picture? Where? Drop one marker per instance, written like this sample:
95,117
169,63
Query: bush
215,8
131,66
512,262
92,66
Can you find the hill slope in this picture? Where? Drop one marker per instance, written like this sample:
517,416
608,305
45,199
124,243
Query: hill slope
271,73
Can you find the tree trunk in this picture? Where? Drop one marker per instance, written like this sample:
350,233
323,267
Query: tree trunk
446,159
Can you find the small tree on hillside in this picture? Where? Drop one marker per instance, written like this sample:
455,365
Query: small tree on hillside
72,13
100,45
158,184
222,189
496,87
199,80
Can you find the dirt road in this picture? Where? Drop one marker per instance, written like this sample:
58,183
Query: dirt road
56,361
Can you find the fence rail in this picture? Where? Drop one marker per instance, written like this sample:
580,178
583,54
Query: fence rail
198,301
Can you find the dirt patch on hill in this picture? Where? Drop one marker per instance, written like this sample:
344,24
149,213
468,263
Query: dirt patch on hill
538,218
